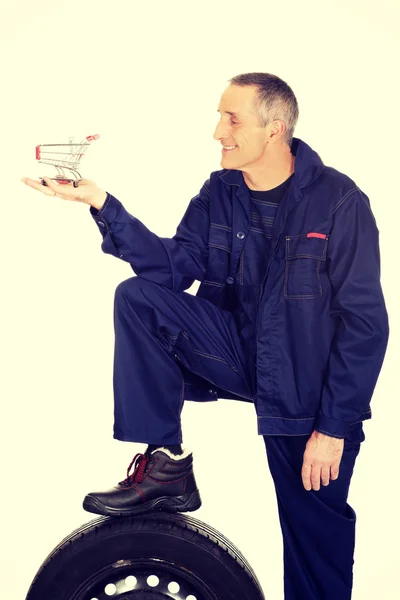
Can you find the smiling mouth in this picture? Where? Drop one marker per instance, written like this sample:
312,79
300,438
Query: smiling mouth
229,149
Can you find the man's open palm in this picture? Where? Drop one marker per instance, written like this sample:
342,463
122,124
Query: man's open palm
87,191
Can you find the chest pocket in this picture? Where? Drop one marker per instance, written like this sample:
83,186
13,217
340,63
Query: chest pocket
303,258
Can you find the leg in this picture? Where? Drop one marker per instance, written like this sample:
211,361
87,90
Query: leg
152,325
149,321
318,527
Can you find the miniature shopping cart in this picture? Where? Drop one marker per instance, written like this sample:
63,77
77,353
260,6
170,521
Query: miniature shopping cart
64,156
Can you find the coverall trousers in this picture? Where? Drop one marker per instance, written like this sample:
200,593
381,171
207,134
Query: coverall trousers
318,527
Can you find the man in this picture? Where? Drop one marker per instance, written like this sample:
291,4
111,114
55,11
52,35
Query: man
289,316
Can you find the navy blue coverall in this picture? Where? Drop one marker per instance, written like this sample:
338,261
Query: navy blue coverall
289,316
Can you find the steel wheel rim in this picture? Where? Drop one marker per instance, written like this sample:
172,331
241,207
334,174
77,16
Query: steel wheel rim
143,579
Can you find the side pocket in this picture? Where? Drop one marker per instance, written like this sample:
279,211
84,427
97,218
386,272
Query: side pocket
219,248
216,358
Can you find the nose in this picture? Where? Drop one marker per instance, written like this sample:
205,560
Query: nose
221,131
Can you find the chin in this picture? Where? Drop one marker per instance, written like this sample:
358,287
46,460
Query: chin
230,164
227,160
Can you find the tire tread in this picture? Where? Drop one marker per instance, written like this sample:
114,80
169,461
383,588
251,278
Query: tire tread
176,524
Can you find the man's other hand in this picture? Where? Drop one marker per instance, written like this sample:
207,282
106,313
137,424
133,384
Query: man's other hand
321,460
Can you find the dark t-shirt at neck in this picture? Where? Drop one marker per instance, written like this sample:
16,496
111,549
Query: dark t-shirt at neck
275,195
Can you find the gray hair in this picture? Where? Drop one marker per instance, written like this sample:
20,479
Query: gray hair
274,99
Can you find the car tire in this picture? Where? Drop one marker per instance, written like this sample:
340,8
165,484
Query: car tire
154,556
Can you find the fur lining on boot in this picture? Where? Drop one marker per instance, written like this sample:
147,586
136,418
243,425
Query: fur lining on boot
185,453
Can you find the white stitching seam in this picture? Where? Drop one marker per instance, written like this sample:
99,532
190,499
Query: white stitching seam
340,202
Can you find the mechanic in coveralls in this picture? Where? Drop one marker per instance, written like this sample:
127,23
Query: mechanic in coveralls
289,316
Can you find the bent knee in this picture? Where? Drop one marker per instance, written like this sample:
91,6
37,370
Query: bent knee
131,287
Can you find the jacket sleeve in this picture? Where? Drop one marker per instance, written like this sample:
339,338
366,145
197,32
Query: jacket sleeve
174,262
358,306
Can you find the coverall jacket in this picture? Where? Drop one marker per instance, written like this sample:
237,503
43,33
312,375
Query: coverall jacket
322,328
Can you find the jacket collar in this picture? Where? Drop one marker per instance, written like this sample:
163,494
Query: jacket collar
308,167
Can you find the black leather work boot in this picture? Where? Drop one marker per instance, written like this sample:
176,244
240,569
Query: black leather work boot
160,481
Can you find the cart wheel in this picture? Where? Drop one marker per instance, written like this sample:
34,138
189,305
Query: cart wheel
155,556
62,180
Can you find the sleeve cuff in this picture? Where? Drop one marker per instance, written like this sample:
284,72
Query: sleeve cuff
108,211
333,427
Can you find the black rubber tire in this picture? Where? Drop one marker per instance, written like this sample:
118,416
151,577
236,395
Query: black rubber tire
108,549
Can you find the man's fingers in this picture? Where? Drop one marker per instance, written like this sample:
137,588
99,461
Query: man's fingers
316,477
325,474
63,190
48,190
334,472
313,475
305,475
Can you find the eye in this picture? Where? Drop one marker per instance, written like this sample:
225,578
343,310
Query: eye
234,122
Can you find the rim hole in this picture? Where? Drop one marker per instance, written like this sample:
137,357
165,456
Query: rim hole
191,597
153,581
130,582
110,589
174,587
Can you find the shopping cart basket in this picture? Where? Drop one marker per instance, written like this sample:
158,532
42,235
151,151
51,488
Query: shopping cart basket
64,156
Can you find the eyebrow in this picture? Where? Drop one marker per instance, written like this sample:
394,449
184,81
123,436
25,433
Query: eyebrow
230,113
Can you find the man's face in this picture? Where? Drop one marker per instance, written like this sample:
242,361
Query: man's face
241,129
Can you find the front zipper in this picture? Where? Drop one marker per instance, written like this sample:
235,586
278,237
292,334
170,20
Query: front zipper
265,279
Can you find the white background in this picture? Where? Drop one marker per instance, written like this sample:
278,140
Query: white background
148,78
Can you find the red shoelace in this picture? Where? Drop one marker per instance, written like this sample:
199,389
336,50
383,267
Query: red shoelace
141,461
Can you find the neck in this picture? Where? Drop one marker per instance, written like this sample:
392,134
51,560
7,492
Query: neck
268,177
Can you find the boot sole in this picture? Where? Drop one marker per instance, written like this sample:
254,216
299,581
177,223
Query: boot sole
173,504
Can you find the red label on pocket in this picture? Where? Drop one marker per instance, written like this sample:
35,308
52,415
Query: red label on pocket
317,235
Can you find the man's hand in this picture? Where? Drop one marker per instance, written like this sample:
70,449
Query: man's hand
321,460
86,192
